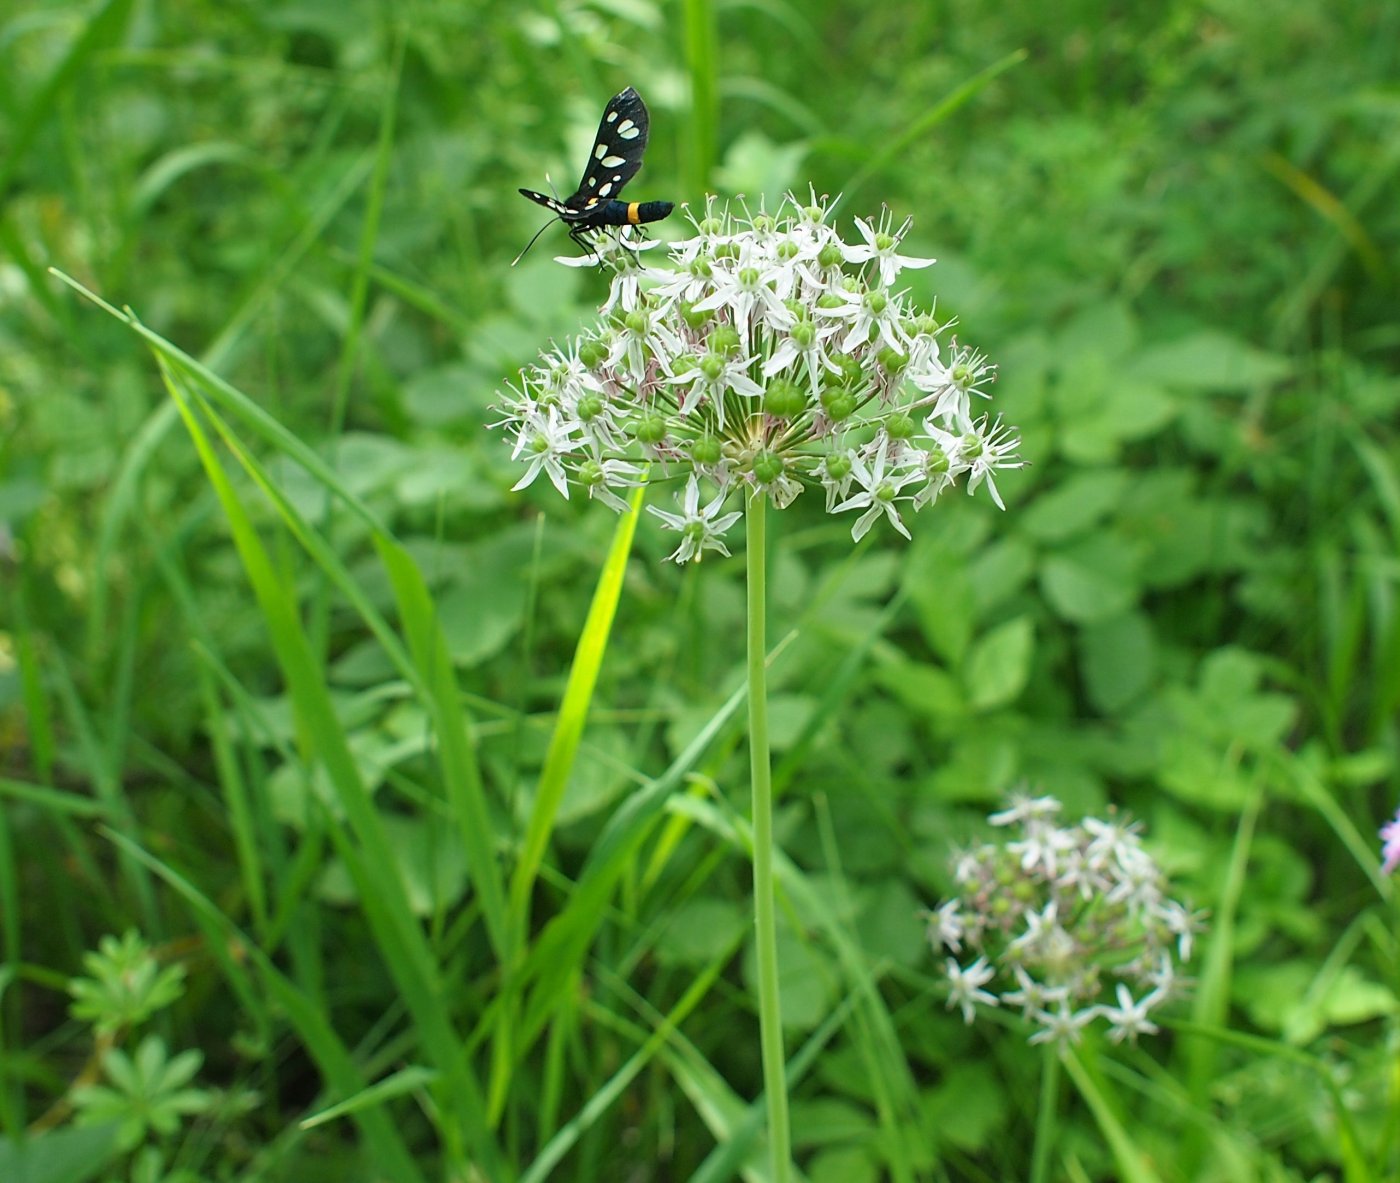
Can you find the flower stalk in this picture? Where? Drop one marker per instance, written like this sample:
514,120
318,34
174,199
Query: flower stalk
764,889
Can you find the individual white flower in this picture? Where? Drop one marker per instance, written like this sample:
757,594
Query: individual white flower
1023,807
1042,848
1040,925
700,529
946,927
545,440
1063,1025
875,316
880,492
965,987
1033,995
602,477
711,378
836,472
1129,1019
1182,923
747,291
881,244
985,450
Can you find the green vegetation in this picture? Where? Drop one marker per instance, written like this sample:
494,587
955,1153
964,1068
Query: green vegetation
364,819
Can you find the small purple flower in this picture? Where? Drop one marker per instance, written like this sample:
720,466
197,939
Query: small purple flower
1390,845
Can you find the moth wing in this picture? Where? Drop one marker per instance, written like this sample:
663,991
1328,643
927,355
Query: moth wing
617,150
550,203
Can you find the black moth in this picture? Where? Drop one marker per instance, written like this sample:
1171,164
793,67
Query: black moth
615,159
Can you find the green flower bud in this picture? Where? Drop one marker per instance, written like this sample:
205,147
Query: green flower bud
829,255
724,340
712,366
592,353
838,403
637,322
590,474
768,466
891,360
900,426
784,399
838,465
648,429
852,372
694,317
706,449
590,406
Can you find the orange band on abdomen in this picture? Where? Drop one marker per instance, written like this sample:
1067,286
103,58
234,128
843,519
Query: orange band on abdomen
632,218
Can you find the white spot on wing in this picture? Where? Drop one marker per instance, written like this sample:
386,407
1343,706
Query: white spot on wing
604,191
610,161
612,117
628,130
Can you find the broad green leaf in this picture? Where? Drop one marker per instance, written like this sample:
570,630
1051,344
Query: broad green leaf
1084,592
1210,360
70,1155
699,929
1118,658
1000,664
936,580
1075,505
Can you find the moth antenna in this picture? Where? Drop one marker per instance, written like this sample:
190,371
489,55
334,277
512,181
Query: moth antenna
548,181
531,243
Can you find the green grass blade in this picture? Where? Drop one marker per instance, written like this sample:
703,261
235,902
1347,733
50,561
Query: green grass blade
104,28
573,713
1131,1163
897,145
599,1103
461,775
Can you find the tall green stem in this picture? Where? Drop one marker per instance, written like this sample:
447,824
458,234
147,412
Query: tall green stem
1045,1121
770,1023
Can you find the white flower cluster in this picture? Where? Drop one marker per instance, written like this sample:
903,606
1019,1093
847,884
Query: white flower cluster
769,355
1057,916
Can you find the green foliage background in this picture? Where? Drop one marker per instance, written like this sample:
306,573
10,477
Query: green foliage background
1173,226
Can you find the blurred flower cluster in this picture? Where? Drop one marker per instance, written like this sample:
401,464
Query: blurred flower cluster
770,355
1066,923
1390,845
